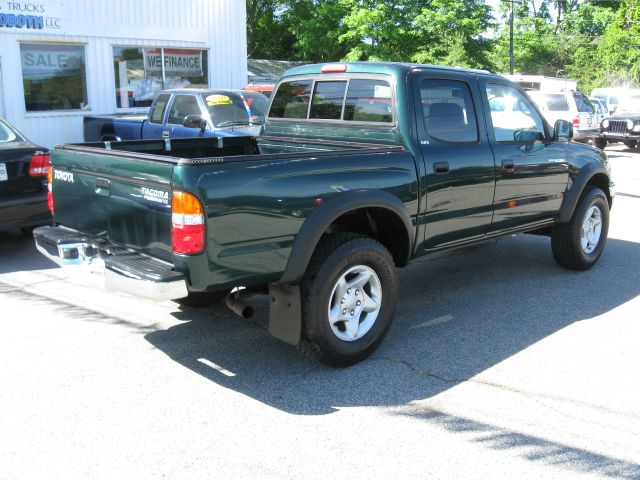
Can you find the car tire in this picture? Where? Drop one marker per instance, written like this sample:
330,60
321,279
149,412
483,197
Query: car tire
349,295
578,244
631,144
600,143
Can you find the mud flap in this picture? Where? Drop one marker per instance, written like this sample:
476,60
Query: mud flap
285,312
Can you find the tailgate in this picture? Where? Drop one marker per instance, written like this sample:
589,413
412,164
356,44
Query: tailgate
125,199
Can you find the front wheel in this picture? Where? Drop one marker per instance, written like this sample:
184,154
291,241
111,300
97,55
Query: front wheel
577,245
601,143
349,296
631,143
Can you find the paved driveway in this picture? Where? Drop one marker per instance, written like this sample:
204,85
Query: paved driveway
500,364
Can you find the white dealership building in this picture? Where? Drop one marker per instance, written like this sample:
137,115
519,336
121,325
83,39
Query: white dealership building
63,59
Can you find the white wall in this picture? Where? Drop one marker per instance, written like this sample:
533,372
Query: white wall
216,25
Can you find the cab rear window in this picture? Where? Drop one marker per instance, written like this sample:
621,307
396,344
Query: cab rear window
355,100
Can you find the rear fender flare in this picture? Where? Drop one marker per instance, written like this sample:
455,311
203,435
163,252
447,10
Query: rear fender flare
322,217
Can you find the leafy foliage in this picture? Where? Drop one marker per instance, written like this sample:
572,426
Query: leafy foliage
597,42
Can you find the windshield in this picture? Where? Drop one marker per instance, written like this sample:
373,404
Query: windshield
631,104
226,110
7,134
257,104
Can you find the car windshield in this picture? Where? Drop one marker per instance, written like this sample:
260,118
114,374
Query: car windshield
257,104
226,110
7,134
631,104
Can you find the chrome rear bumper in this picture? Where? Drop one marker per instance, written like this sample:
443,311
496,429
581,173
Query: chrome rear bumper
109,267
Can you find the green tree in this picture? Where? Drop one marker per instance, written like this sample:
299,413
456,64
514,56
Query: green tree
268,35
619,50
436,31
317,26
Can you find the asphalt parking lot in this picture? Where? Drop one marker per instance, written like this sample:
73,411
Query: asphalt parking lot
500,364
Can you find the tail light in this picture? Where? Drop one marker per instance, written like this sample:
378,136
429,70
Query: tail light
40,164
576,122
187,223
50,190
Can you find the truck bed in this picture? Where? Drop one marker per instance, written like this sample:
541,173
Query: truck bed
254,191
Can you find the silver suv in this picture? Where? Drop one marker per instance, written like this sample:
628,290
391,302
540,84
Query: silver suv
571,106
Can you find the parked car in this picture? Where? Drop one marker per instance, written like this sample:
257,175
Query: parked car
257,104
178,113
601,108
266,90
615,96
360,168
571,106
24,167
623,126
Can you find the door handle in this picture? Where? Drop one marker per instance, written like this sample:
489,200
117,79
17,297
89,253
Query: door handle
165,134
441,167
508,165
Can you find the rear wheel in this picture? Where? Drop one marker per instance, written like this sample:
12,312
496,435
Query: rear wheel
349,296
577,245
601,143
631,143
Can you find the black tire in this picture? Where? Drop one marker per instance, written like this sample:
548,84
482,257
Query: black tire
566,238
202,299
600,143
630,143
335,257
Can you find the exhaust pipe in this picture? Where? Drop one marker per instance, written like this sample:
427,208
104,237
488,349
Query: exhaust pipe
237,305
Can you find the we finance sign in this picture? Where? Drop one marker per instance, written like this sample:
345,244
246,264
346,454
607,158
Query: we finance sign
177,62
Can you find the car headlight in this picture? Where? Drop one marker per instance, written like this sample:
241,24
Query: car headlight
636,128
629,124
605,124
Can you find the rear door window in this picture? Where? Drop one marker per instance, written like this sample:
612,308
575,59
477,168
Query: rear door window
448,110
556,102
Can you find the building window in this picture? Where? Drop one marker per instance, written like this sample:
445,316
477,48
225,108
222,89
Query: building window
54,77
141,72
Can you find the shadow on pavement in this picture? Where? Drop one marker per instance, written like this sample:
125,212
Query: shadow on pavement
532,448
18,253
457,316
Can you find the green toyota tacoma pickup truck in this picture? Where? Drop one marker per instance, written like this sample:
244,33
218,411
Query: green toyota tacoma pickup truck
359,168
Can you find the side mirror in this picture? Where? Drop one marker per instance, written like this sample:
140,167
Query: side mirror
195,121
563,130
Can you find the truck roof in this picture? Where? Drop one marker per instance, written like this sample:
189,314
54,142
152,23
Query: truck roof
210,91
388,68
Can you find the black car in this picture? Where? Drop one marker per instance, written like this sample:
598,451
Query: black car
623,126
24,167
